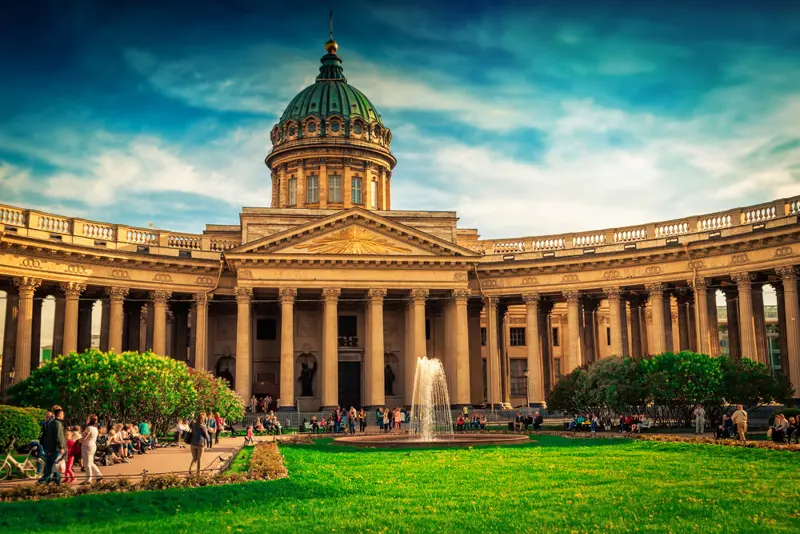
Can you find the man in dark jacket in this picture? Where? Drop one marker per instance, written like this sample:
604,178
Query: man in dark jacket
55,444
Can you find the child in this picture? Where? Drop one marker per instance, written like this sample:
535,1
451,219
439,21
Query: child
248,439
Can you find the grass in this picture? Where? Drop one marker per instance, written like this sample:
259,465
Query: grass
241,463
552,484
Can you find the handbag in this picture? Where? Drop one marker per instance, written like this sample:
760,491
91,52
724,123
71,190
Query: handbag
187,437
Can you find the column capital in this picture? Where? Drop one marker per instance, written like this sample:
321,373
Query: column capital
491,300
744,280
160,296
331,294
419,294
244,294
201,299
787,272
27,284
701,284
117,294
461,295
376,294
656,288
612,293
72,289
287,295
571,296
531,299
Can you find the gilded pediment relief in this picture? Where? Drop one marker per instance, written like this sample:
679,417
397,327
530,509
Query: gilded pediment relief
354,240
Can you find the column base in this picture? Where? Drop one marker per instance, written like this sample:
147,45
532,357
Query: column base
496,406
287,409
540,404
461,406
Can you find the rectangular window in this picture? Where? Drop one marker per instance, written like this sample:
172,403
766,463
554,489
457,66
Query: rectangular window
483,336
518,379
355,195
312,190
555,337
373,194
266,329
517,337
557,367
293,192
334,188
427,329
608,337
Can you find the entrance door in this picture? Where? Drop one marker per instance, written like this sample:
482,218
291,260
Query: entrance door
350,384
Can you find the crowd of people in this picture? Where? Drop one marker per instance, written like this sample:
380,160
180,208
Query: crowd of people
260,404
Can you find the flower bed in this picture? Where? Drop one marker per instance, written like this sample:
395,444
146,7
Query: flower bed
266,463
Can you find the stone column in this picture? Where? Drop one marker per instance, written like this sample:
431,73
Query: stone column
615,320
784,347
572,352
330,348
275,191
546,344
323,184
701,320
682,299
734,337
25,289
283,188
9,336
505,334
449,330
493,352
200,318
535,367
72,292
287,296
760,325
589,331
475,356
145,317
461,396
243,384
58,325
160,321
301,184
104,319
744,282
415,340
656,292
85,309
792,325
668,320
116,301
713,323
373,358
623,323
636,324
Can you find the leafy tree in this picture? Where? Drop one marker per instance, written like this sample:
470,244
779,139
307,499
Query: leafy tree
122,387
567,394
615,385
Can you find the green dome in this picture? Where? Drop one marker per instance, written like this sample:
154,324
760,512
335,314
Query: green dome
331,95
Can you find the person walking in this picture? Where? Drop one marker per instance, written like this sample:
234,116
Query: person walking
211,430
88,450
55,446
220,424
253,403
362,420
198,437
699,419
739,419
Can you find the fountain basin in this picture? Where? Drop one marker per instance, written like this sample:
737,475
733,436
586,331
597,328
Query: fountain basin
410,441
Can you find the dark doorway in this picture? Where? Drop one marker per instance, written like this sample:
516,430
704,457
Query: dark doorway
350,384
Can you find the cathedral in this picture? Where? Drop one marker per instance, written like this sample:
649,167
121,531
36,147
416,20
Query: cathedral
329,296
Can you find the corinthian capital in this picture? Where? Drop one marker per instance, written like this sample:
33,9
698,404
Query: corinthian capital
26,285
743,280
531,299
160,297
376,294
72,289
287,295
461,295
244,294
571,296
331,294
116,294
612,293
201,299
419,294
787,272
656,288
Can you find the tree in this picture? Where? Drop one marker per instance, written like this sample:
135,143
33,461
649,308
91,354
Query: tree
126,387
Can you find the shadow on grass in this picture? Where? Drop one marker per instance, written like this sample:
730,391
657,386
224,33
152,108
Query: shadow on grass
115,508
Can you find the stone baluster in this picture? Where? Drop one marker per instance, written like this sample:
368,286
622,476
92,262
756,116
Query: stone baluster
330,348
288,296
26,286
243,385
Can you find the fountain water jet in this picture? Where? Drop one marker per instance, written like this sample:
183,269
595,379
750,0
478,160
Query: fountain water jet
431,418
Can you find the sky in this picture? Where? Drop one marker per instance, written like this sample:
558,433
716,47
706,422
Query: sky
526,118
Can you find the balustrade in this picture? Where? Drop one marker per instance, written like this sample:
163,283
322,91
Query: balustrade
54,224
98,231
221,245
627,236
184,241
758,215
549,244
141,237
12,216
714,223
589,240
669,230
793,207
505,247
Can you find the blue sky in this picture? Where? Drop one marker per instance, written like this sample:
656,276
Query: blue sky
526,118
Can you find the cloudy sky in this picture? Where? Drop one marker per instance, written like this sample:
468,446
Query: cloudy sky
559,117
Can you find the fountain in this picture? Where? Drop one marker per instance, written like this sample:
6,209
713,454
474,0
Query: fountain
431,417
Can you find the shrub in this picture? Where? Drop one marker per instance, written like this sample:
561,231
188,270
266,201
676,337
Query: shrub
21,424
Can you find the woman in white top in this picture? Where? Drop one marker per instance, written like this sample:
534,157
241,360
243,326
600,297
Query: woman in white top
88,448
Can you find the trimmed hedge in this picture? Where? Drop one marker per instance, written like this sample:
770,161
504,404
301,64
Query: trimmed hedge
21,424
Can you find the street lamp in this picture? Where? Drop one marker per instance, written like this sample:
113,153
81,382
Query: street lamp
527,394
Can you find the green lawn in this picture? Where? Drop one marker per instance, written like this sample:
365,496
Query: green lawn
554,484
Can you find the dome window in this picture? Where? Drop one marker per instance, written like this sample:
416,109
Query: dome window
357,128
312,127
335,126
292,131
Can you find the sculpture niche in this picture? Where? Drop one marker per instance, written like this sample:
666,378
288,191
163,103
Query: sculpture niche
307,379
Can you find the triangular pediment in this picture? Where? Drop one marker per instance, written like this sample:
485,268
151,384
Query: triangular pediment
353,232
